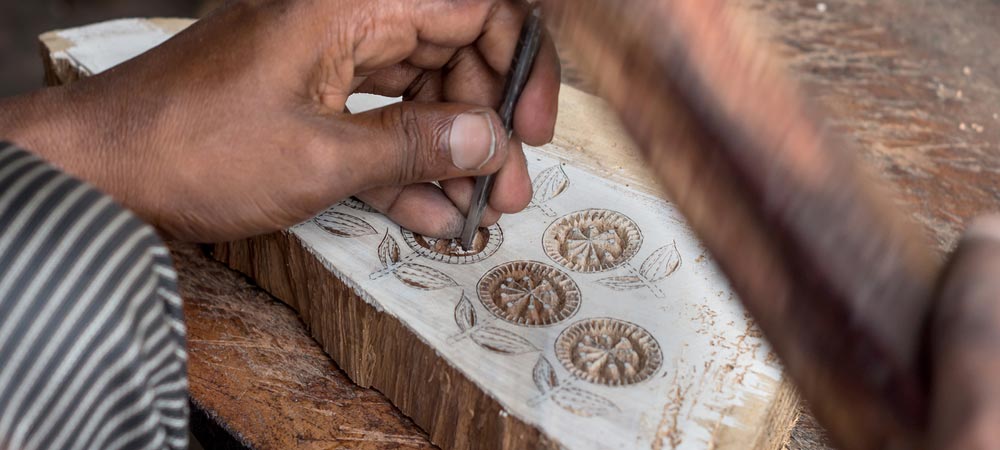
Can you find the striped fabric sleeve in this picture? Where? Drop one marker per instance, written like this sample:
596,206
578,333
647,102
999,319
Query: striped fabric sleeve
92,350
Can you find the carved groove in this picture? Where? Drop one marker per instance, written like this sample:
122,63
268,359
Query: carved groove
608,351
529,293
355,203
593,240
450,251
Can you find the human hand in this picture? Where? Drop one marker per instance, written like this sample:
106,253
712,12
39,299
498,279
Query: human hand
965,345
236,126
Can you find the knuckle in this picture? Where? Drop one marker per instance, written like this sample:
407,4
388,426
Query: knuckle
409,136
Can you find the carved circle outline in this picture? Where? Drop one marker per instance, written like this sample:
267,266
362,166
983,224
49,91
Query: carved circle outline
571,297
650,355
552,246
491,247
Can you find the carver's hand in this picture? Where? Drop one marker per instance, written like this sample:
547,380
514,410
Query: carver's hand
965,345
237,125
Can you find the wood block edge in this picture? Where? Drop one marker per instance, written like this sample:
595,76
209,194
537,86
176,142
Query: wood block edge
379,351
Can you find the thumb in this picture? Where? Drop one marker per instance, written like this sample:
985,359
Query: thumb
413,142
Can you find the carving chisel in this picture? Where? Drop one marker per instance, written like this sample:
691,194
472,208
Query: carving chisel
524,58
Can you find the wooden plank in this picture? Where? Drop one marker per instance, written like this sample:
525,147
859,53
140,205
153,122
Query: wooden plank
256,372
687,333
290,266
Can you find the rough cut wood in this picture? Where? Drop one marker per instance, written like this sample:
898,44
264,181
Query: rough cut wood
256,373
902,397
379,351
914,83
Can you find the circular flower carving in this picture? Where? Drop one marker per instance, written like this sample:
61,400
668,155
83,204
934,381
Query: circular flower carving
450,251
608,351
593,240
529,293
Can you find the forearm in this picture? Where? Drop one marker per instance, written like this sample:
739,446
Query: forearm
42,121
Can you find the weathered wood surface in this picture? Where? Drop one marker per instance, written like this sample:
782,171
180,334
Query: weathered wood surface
256,371
379,350
915,82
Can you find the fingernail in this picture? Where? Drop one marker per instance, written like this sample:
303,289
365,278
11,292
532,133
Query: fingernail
472,140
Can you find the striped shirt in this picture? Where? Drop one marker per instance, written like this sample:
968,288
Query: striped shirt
92,350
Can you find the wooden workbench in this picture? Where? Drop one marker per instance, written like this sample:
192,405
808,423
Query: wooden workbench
915,82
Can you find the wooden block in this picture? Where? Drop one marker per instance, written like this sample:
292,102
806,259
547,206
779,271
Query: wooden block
390,309
78,52
256,374
704,376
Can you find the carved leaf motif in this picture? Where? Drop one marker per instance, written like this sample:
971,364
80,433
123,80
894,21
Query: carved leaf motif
344,225
549,184
423,277
623,283
663,262
465,314
502,341
544,375
582,403
388,250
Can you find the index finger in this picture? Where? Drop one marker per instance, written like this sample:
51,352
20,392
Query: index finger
535,115
386,32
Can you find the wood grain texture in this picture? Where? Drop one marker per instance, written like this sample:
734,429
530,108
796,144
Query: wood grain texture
257,373
892,75
378,350
915,85
716,368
